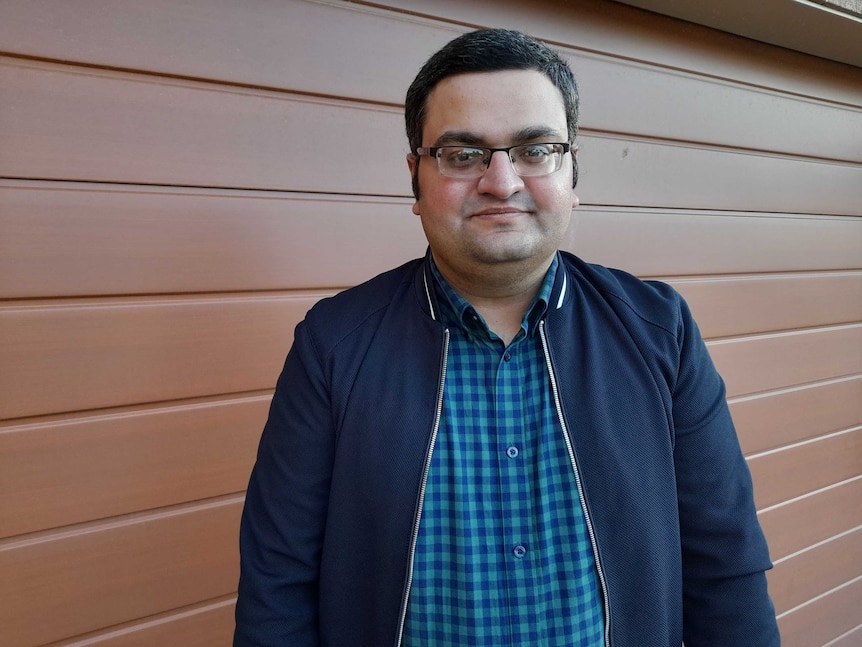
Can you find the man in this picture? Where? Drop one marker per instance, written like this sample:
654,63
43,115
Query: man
499,444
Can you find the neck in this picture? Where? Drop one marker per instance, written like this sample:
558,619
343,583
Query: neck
501,295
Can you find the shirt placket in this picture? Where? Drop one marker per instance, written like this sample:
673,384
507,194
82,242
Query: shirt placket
513,459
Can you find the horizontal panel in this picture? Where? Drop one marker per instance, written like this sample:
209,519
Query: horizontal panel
768,362
377,56
794,25
822,620
634,172
79,357
80,240
384,50
784,474
379,50
62,472
80,124
770,420
70,239
852,638
57,587
77,124
728,306
685,107
793,526
608,26
654,242
815,572
105,354
210,625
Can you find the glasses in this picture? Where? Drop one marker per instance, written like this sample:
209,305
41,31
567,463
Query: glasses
528,160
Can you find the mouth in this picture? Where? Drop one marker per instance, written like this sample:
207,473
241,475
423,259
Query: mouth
500,213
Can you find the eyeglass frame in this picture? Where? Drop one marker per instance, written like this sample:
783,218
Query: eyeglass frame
431,151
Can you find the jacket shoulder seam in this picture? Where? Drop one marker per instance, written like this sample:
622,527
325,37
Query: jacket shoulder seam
637,312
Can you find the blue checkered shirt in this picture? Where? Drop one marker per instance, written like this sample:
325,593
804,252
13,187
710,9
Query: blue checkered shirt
503,556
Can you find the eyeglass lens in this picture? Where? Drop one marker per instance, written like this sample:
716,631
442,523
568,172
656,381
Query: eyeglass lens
527,160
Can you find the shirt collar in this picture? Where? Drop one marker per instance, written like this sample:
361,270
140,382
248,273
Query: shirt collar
455,311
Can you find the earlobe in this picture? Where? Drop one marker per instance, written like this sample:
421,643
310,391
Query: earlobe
416,208
575,201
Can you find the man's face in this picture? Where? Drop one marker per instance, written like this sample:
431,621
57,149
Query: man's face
499,219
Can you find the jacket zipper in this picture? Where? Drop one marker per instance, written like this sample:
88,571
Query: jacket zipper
581,496
415,535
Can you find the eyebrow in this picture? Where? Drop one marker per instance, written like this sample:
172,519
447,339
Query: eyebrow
530,133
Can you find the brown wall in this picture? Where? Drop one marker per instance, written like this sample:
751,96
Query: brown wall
180,183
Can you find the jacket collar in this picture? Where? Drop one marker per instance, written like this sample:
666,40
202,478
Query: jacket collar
424,286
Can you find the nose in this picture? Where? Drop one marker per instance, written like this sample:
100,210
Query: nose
500,179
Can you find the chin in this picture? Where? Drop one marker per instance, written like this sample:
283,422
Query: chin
508,255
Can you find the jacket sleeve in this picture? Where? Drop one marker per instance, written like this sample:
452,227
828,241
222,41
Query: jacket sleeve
283,521
724,552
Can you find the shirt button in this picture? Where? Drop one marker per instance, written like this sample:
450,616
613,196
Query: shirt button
519,551
507,356
512,452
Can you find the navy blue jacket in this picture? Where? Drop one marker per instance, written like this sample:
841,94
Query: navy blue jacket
331,510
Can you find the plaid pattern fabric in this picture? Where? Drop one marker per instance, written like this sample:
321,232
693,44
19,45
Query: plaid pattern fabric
503,556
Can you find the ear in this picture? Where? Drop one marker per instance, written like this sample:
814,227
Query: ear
412,162
575,200
575,168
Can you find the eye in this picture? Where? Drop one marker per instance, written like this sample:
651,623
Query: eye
533,153
457,156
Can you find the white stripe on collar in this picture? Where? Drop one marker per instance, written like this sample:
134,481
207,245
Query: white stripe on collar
563,290
428,293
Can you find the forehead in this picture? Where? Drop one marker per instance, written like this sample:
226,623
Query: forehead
492,107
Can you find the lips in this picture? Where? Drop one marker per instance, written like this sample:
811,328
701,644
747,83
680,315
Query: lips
500,212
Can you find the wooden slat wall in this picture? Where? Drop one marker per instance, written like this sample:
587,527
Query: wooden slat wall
168,213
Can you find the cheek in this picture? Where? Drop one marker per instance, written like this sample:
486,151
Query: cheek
440,198
555,197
